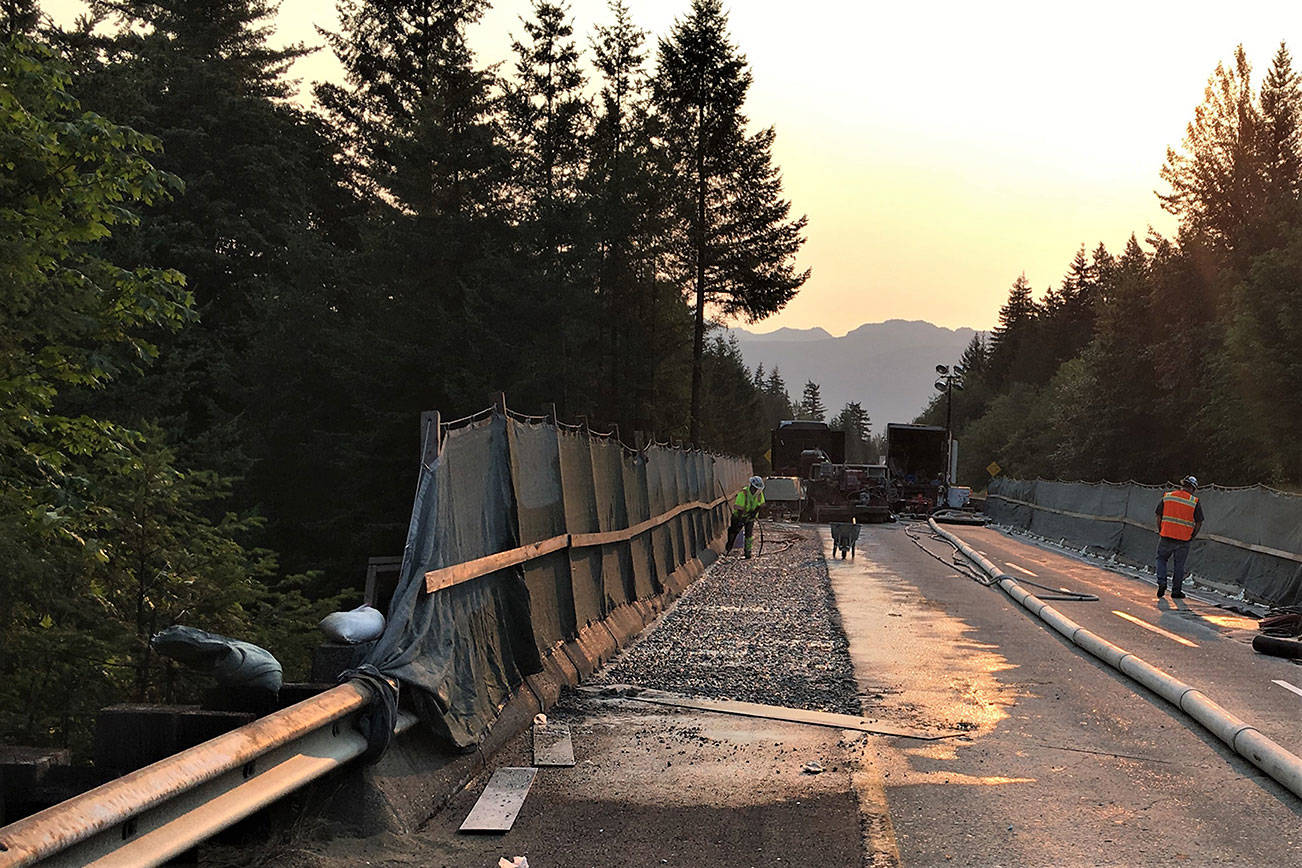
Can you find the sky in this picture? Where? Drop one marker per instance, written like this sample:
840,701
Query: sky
941,149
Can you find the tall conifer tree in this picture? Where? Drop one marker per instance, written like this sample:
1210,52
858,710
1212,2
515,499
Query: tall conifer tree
738,241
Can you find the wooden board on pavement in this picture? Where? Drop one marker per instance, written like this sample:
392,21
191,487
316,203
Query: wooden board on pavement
768,712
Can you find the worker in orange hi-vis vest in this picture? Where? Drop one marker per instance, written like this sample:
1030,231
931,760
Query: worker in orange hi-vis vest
1179,518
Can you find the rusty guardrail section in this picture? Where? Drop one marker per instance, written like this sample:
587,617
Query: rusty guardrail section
153,814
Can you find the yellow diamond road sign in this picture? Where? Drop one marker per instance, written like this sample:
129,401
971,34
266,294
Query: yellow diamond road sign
993,469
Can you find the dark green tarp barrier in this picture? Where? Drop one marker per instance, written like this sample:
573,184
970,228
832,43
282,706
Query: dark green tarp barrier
1251,539
499,483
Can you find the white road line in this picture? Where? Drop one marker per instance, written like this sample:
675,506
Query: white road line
1147,626
1022,569
1287,686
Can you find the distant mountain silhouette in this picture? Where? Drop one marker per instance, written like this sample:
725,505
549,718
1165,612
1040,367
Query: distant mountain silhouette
889,367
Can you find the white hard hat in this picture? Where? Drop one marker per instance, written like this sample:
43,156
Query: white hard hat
1191,481
757,483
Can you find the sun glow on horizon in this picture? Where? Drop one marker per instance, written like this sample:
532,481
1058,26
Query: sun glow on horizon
941,151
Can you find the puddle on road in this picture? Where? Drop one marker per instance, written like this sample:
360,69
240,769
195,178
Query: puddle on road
920,667
917,665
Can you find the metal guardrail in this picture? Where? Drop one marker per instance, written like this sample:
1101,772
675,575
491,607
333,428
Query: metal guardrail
153,814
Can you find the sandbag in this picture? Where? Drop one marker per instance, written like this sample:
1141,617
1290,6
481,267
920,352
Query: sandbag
355,627
232,662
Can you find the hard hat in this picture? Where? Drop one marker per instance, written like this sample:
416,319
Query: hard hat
1190,481
757,483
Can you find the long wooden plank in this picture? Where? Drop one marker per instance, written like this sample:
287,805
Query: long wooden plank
500,802
767,712
446,577
586,540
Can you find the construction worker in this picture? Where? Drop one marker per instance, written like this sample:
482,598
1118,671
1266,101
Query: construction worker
1179,518
745,509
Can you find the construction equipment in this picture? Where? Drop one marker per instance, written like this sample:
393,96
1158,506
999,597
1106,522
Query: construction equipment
916,457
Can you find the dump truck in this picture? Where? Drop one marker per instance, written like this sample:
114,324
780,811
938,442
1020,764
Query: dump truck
797,444
916,458
832,490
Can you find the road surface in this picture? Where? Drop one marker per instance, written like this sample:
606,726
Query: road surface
1036,753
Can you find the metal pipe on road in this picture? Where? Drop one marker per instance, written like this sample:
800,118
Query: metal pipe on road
1244,739
153,814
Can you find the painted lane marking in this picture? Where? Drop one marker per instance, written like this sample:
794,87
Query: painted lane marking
1147,626
1022,570
1287,686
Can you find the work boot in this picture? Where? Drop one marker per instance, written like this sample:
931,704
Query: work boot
748,555
1177,595
1161,592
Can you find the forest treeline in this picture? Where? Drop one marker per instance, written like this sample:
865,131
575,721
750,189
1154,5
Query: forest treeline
1174,355
222,311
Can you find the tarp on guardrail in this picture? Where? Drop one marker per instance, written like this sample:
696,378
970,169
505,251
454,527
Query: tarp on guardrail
498,483
1251,538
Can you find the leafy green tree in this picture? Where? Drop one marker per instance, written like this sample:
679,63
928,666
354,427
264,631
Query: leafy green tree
69,318
738,241
100,534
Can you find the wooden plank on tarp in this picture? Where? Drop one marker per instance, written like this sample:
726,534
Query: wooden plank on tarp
552,745
500,802
768,712
446,577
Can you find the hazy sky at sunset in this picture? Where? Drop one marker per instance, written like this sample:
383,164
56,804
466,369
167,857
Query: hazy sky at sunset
940,149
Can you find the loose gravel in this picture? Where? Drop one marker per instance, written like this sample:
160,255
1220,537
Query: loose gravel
760,630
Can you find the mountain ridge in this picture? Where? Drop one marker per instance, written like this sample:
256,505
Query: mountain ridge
888,366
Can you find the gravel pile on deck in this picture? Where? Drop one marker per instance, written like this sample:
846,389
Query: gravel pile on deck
760,630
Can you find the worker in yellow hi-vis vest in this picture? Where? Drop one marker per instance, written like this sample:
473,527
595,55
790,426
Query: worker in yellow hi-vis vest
745,509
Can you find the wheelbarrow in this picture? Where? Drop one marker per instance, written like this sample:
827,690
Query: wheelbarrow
844,535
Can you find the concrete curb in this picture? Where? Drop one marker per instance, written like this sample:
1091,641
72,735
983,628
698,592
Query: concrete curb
1282,766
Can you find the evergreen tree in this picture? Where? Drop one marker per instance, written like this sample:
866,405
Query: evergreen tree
252,390
811,403
627,204
1216,180
854,421
18,17
738,241
547,118
1281,140
733,421
1011,337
